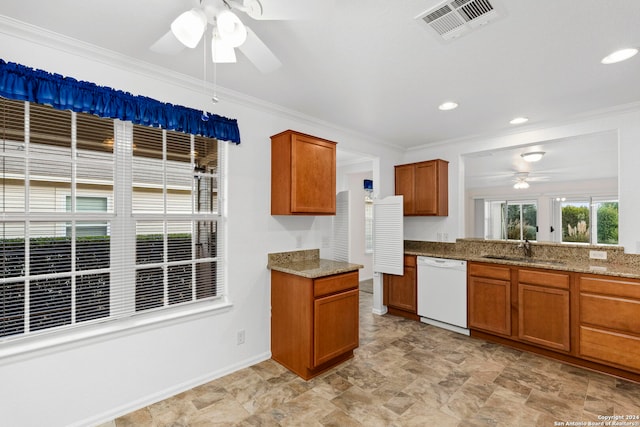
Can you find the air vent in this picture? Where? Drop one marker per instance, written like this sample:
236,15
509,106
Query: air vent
453,19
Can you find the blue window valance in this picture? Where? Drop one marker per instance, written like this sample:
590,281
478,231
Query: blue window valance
22,83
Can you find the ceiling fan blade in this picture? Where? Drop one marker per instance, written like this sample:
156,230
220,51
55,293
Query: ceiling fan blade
259,54
167,45
287,9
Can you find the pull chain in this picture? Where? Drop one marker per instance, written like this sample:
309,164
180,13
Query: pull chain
205,116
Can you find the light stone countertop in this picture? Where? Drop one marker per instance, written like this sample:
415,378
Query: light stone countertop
307,263
547,256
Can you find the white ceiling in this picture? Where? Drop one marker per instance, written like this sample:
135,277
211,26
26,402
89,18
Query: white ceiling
567,160
370,66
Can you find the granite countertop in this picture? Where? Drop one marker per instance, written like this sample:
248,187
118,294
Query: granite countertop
560,263
307,263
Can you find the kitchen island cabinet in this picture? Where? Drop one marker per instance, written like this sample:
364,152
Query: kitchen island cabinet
314,321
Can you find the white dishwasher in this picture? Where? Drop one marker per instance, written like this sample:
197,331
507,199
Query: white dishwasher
442,293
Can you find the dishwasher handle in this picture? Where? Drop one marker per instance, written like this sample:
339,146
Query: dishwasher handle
441,262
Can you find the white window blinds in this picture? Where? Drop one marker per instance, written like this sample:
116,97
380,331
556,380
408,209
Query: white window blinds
102,219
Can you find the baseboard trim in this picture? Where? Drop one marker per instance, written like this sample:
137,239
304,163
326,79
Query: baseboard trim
167,393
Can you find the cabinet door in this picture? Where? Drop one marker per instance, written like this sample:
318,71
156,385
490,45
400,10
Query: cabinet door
543,316
490,305
335,326
313,175
426,188
403,290
405,187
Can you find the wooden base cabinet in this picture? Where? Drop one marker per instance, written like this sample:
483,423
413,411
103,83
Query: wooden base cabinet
609,320
314,322
584,319
489,298
400,293
543,308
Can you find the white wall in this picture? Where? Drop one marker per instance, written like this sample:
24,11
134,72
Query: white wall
95,380
625,122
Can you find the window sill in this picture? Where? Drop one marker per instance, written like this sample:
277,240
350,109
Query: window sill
47,343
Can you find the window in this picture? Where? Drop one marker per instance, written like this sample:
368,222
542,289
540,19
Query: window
511,220
102,219
87,204
368,217
589,220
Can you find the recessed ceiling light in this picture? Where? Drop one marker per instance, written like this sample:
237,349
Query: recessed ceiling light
519,120
449,105
533,156
619,55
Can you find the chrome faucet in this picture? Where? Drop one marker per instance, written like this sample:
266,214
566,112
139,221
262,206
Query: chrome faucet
526,247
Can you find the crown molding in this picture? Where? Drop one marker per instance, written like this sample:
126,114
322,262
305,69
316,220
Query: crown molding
56,41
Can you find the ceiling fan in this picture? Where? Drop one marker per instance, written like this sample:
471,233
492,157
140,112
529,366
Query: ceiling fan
218,20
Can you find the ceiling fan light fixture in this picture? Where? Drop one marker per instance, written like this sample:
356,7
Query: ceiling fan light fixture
533,156
189,27
221,51
521,185
619,56
230,28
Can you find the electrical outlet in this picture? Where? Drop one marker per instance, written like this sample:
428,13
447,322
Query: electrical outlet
298,241
598,254
240,337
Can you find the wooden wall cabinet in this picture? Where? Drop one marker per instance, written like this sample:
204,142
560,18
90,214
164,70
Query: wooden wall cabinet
543,308
400,293
303,175
424,187
489,298
609,320
314,322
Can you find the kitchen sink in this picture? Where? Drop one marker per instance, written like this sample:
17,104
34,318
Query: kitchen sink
523,259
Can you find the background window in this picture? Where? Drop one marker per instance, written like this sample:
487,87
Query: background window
511,220
589,220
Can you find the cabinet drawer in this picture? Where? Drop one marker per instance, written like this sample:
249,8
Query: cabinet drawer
610,312
409,260
332,284
544,278
611,347
490,271
614,287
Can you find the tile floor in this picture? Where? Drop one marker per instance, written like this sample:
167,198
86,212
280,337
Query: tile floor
404,373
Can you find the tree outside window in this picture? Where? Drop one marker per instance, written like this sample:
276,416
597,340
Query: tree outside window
590,221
